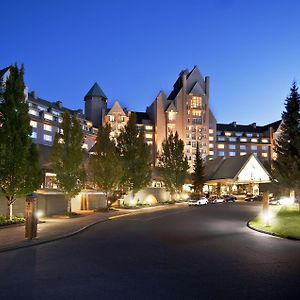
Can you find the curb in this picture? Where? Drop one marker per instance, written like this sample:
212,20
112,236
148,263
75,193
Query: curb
272,234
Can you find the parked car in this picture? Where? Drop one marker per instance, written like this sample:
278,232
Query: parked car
254,198
198,202
216,199
228,198
280,201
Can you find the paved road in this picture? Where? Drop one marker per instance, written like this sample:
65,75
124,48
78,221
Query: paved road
186,253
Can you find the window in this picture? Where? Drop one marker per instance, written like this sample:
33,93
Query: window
232,139
218,132
221,153
243,140
265,141
84,146
255,154
254,140
196,113
33,135
253,147
197,120
188,143
149,127
242,153
42,108
47,127
228,133
194,144
48,117
111,118
211,131
171,115
211,138
239,134
148,135
249,134
211,153
211,145
264,148
56,113
196,102
47,138
33,124
221,138
231,153
242,147
264,155
60,120
33,112
149,143
220,146
193,136
232,146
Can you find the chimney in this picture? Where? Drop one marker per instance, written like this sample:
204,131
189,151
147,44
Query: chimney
207,86
253,125
34,94
234,123
58,104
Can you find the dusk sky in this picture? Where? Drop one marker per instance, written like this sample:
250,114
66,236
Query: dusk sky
134,49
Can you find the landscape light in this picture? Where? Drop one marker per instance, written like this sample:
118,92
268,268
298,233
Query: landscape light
39,214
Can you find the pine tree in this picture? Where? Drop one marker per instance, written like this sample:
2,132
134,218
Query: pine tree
106,163
67,157
198,174
287,163
20,172
135,157
173,163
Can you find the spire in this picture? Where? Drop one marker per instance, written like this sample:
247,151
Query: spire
95,91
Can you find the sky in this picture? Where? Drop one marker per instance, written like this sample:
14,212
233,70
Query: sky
134,49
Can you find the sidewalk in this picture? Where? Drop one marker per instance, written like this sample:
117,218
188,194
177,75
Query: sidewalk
55,228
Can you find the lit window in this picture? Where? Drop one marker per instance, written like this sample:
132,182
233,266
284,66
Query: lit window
33,124
232,147
249,134
243,140
253,147
220,146
196,113
48,117
221,153
232,139
60,120
47,127
149,143
211,145
211,131
196,102
254,140
231,153
149,127
47,138
56,113
33,112
148,135
33,135
228,133
264,155
84,146
42,108
111,118
242,153
242,147
221,138
171,116
264,148
211,152
265,141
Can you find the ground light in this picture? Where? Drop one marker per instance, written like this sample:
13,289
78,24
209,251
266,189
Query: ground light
39,214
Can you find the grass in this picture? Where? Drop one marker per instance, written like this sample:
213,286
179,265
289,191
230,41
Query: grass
286,223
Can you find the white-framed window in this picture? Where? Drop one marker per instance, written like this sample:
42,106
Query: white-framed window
149,127
254,147
34,135
243,147
242,153
231,153
232,139
211,145
211,131
221,138
47,127
221,146
232,147
254,140
211,138
33,112
33,124
48,117
47,138
221,153
148,136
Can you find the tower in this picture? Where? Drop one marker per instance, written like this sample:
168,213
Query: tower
95,105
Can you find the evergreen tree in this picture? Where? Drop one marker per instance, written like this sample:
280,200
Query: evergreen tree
106,163
287,163
198,174
20,172
173,163
135,157
67,157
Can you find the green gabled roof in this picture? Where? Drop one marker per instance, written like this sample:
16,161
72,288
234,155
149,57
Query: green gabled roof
95,91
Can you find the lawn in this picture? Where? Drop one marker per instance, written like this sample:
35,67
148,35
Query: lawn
286,223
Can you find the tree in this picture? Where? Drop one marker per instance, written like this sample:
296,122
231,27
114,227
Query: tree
135,157
106,163
20,172
198,174
287,163
173,163
67,157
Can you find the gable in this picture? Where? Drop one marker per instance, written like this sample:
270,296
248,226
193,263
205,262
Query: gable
197,90
117,109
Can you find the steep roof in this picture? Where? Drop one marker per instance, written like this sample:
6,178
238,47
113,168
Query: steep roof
95,91
224,168
3,71
197,89
116,108
171,107
247,128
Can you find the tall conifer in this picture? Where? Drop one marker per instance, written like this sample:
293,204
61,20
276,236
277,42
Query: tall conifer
198,174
